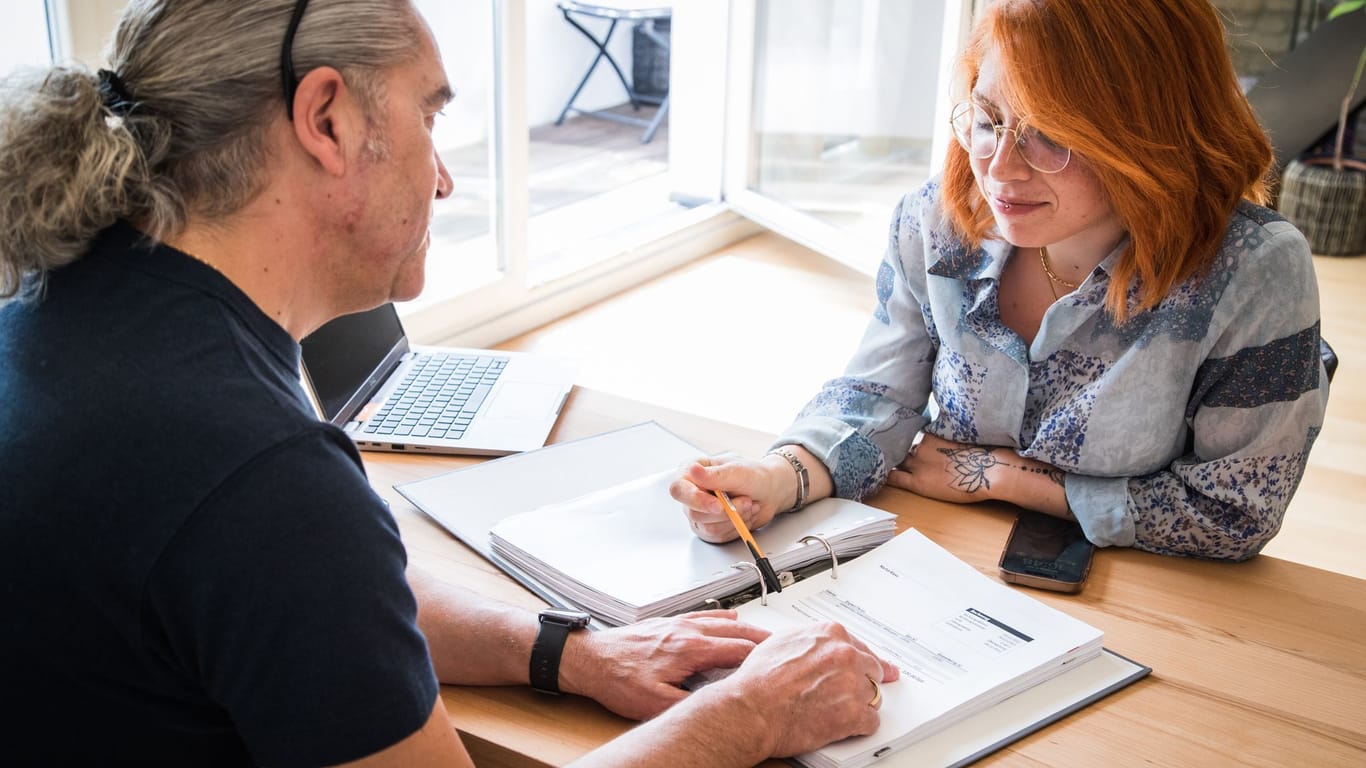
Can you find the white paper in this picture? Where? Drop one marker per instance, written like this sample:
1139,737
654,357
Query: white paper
469,501
627,552
962,640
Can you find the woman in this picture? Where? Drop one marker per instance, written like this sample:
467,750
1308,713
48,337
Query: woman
1089,314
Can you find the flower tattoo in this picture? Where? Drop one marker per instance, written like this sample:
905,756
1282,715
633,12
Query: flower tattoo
970,465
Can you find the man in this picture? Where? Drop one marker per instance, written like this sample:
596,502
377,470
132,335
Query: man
194,569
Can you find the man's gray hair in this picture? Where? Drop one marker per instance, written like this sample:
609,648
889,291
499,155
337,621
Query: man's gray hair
204,78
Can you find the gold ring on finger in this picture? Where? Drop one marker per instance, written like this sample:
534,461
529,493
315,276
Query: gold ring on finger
876,701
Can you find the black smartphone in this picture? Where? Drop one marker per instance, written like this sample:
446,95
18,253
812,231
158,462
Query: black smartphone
1046,552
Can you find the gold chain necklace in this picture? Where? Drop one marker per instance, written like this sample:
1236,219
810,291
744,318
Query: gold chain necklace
1047,270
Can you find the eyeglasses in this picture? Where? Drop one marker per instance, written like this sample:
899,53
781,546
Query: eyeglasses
978,132
291,82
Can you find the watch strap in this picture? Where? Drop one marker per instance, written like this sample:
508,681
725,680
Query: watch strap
548,648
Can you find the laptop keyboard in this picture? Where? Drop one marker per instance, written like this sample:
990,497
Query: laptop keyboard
438,397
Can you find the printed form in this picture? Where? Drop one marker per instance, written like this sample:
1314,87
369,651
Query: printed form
962,640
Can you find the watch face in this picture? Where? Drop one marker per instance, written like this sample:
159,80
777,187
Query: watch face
574,619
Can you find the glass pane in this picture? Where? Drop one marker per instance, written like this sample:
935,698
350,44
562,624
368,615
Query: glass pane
598,77
1259,34
23,37
1262,36
464,253
844,100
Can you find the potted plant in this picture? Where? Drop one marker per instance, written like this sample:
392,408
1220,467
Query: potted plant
1326,196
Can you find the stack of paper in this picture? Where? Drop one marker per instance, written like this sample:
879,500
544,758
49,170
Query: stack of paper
627,552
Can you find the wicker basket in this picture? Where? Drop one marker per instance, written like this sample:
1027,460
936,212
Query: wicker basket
1328,206
650,60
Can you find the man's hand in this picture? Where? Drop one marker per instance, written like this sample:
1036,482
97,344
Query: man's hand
636,671
811,686
799,690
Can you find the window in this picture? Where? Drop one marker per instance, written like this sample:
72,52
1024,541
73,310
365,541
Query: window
542,220
844,111
551,215
547,217
24,39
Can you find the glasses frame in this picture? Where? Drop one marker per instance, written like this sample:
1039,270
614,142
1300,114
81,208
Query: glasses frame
287,76
998,129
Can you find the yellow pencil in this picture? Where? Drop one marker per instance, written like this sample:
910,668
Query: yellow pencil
765,567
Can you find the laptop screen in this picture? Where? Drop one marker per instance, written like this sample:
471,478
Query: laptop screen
344,355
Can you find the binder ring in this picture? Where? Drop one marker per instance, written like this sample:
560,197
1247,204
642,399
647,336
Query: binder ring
763,588
834,561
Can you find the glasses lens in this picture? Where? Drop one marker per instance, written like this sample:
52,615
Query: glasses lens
961,120
1042,152
975,129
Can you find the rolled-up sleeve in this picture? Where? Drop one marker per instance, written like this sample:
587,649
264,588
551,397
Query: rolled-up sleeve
861,424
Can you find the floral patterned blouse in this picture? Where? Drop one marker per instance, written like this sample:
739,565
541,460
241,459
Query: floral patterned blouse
1183,431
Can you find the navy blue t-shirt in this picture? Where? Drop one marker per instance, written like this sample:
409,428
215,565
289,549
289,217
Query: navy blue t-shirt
193,568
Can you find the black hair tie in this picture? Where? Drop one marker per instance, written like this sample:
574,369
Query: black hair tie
115,93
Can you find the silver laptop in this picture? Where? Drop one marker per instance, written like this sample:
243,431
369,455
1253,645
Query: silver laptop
365,378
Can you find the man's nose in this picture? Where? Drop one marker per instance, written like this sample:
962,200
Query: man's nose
444,184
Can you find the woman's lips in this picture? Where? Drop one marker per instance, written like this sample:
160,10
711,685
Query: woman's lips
1014,207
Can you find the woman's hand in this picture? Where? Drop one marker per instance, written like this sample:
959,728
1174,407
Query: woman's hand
939,469
963,473
758,490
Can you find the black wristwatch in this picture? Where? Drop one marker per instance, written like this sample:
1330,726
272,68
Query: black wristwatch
556,624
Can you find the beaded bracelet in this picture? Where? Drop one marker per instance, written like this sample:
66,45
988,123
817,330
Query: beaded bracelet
803,478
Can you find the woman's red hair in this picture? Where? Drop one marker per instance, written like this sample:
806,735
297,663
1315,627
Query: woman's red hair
1145,91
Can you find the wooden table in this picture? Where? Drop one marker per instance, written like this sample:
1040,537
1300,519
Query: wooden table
1261,663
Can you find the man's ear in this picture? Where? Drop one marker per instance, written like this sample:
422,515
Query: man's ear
328,122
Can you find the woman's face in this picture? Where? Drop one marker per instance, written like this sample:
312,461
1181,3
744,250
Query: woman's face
1065,211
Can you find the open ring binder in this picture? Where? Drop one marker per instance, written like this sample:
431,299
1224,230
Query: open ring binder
763,587
787,578
641,559
834,561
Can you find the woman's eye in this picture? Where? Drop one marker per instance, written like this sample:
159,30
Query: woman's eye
1034,137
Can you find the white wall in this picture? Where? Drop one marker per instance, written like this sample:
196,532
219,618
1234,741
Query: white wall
88,25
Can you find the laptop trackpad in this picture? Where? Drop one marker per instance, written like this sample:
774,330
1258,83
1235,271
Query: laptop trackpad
523,400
